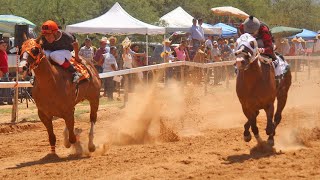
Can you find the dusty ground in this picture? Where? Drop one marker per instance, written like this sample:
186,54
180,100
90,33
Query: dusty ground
133,145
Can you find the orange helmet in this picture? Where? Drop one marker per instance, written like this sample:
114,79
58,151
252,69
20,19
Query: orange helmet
49,27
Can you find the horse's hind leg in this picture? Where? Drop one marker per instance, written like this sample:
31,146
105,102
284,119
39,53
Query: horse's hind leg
94,105
47,121
282,96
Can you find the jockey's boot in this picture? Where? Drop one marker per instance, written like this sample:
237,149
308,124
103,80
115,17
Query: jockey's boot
32,80
76,76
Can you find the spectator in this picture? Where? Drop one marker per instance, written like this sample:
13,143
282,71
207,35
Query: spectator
98,56
181,52
201,30
5,95
87,51
127,60
216,56
109,65
208,47
167,57
196,37
181,55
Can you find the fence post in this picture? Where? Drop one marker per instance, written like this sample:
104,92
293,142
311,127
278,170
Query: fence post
14,115
309,69
206,81
182,74
126,89
227,76
295,69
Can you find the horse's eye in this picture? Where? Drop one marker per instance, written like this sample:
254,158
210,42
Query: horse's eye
35,51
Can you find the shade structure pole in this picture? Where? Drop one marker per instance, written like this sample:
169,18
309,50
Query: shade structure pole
147,54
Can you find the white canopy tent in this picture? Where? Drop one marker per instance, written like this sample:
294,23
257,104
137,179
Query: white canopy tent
115,21
179,20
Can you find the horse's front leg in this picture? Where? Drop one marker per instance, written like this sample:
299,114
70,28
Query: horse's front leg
270,130
47,121
251,116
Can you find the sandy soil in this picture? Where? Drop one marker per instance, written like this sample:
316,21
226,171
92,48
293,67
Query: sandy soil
174,133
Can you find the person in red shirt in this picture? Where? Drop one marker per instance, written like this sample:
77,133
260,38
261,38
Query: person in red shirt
4,73
262,34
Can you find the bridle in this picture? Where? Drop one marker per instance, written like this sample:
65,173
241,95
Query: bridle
247,46
29,48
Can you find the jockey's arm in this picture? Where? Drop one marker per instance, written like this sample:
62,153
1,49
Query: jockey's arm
267,41
75,45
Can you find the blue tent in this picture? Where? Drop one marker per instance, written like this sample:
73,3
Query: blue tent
227,31
306,35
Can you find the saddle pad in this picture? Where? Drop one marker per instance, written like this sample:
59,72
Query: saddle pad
80,68
282,67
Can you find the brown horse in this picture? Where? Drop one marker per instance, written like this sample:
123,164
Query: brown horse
257,89
56,95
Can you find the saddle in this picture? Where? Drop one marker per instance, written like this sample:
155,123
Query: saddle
80,68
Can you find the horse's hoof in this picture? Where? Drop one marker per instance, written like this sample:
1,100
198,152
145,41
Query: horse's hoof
247,138
270,142
67,144
92,148
258,138
270,130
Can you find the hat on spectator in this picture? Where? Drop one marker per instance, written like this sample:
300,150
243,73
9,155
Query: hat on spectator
114,38
104,40
165,53
295,39
215,43
251,25
166,41
7,35
301,40
87,39
126,42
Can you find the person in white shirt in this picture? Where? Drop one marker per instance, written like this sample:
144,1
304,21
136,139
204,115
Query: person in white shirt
109,65
87,51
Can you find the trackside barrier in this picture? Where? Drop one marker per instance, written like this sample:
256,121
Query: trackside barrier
25,84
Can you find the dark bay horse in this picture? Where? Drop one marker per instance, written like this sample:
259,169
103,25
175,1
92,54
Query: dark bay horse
56,95
257,89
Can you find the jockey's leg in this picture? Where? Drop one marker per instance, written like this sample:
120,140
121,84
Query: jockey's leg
62,57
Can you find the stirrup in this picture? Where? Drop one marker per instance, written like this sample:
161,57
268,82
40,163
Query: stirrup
76,77
32,80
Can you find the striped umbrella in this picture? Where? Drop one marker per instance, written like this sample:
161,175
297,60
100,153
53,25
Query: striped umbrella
7,22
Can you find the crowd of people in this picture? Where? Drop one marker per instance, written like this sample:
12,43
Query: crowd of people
194,46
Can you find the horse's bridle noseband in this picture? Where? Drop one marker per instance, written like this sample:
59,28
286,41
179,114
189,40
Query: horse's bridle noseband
29,47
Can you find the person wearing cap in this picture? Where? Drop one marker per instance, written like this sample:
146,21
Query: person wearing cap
4,73
58,45
109,65
87,51
262,34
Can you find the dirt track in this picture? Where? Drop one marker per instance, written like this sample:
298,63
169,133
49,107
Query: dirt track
211,146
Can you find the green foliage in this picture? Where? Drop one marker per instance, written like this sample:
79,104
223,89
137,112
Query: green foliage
294,13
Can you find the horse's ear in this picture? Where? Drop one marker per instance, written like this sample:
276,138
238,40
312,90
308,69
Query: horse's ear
252,44
39,40
25,37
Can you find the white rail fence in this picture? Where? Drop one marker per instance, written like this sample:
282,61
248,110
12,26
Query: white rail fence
165,65
25,84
